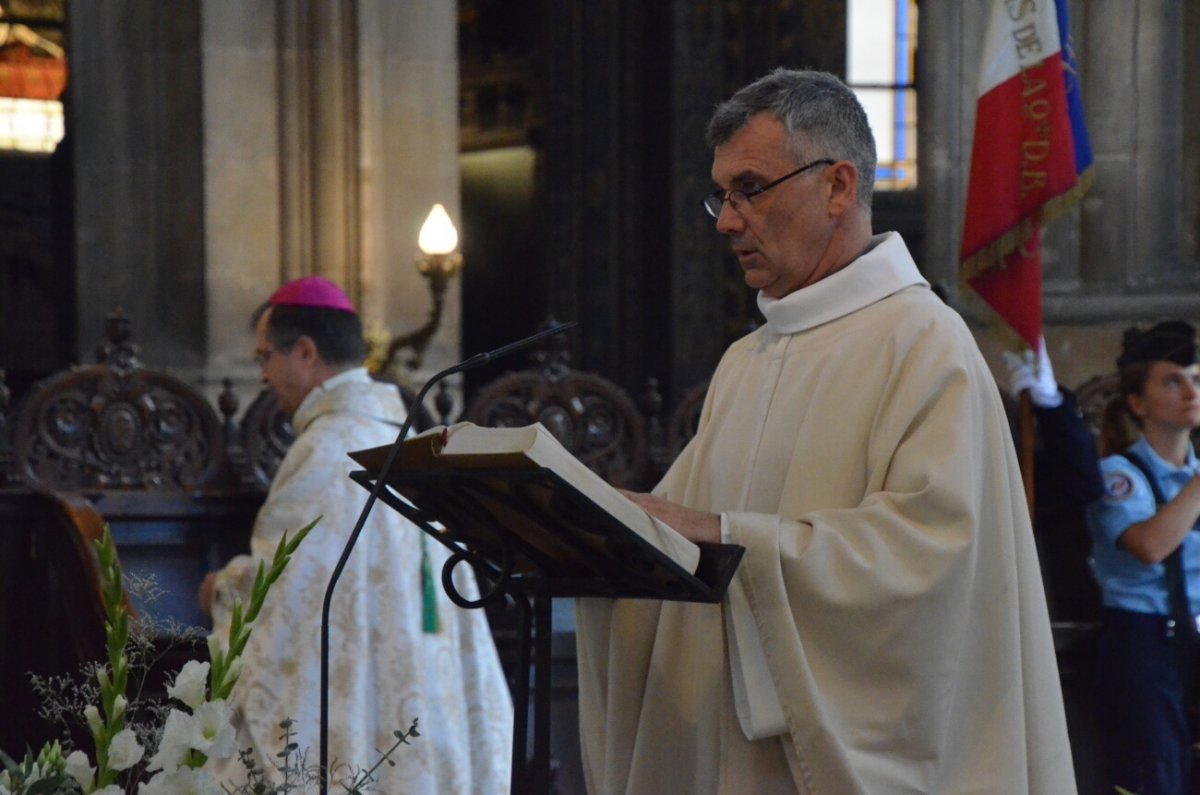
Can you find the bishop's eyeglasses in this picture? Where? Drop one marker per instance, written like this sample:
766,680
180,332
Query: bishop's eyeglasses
740,198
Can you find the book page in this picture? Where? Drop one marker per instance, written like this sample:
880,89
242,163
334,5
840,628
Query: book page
469,446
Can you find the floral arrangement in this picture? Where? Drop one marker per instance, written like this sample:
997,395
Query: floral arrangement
187,738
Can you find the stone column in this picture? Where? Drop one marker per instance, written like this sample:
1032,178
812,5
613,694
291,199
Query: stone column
243,173
408,105
330,131
136,131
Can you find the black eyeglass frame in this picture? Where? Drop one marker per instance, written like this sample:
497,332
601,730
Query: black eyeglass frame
715,201
261,357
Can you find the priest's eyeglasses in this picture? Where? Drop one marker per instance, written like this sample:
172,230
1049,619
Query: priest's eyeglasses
740,198
261,357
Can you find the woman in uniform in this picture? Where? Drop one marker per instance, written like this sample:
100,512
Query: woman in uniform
1147,562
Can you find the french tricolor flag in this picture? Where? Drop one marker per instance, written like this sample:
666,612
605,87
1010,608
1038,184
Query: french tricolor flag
1031,158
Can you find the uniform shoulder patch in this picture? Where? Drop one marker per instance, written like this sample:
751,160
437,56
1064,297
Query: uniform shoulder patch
1117,485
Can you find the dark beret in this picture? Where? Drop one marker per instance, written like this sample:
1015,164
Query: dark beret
1169,341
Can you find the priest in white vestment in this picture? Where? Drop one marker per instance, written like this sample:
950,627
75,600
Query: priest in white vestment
399,650
886,631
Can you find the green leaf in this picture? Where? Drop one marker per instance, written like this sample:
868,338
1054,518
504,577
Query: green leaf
47,786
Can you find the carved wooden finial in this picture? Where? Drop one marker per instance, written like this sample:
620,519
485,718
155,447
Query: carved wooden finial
227,401
651,400
552,356
117,351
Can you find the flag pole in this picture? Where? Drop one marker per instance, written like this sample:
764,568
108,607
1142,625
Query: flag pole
1026,451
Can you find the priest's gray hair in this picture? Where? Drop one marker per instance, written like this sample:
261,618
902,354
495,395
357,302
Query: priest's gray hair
821,114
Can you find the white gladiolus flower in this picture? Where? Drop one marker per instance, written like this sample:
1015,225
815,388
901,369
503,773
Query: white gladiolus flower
175,743
77,767
124,751
190,684
184,781
119,707
214,734
111,789
235,670
93,718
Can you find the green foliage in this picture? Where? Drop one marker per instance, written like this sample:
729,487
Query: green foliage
43,775
223,674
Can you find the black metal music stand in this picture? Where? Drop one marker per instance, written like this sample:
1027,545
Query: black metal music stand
530,535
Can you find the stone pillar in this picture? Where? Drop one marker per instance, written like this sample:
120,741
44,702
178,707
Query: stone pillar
136,131
408,104
699,261
221,147
319,135
243,173
330,131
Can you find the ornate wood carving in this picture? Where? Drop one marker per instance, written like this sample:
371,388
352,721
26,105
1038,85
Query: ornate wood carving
267,433
589,415
115,425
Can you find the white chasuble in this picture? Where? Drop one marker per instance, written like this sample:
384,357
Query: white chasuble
385,670
890,632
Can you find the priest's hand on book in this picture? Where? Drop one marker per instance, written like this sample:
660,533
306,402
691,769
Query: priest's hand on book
695,526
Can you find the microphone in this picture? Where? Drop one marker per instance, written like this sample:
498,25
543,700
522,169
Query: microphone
478,360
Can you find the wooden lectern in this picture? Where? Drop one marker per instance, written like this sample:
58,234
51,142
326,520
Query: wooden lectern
532,536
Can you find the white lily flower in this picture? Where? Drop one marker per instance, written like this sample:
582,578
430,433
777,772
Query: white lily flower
191,684
175,743
214,734
124,751
77,767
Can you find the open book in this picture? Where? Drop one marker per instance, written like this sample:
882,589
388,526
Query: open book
473,480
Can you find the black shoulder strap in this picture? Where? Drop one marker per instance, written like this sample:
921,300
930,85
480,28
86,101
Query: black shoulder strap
1181,610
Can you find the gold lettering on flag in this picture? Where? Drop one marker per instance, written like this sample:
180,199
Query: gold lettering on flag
1035,146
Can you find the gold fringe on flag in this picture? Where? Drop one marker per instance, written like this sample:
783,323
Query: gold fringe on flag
992,255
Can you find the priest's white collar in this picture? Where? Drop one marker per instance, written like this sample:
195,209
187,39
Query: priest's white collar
885,268
309,406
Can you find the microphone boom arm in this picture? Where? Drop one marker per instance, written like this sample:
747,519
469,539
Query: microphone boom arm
477,360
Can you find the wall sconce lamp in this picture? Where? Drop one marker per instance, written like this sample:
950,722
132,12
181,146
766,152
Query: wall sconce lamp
439,264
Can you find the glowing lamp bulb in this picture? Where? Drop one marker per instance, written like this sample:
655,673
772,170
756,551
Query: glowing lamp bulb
438,235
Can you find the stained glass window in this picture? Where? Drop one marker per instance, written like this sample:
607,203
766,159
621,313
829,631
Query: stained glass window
881,49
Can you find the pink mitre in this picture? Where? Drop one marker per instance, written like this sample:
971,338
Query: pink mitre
314,291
